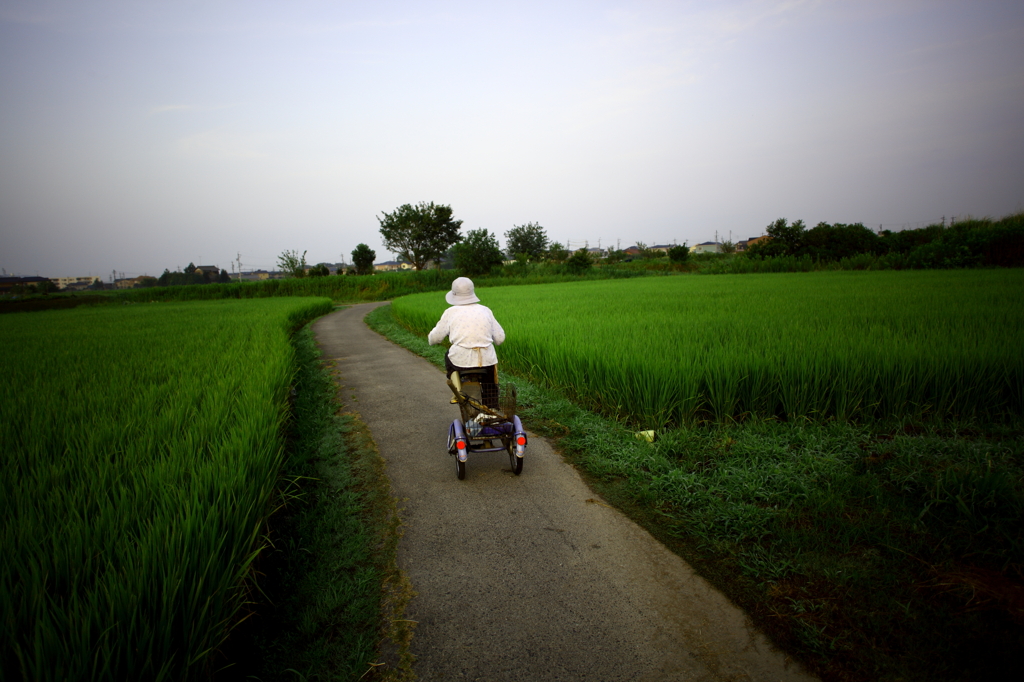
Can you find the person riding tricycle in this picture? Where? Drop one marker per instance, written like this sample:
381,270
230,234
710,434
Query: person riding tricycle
487,409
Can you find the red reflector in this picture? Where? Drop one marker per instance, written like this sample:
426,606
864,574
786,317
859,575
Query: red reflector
461,445
521,440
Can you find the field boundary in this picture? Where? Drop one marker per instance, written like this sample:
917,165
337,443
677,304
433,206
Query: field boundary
312,584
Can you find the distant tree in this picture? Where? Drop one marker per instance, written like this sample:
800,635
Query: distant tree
147,282
783,240
520,268
190,268
530,239
97,284
615,256
363,257
318,270
557,253
829,243
679,253
728,246
447,261
177,279
908,240
421,233
646,253
292,263
477,253
46,286
579,262
790,238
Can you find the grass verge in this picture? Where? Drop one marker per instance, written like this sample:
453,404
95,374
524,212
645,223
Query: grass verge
329,600
880,551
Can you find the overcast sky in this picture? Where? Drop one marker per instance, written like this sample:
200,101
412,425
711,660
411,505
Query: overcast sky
142,135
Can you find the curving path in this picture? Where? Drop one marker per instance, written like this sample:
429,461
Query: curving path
528,577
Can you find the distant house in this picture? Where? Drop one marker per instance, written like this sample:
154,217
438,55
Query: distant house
706,247
391,266
73,283
597,253
211,273
658,248
747,243
256,276
132,283
8,283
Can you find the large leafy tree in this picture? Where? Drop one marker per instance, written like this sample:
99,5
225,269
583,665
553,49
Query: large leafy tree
530,239
420,233
477,253
363,257
292,263
826,242
784,240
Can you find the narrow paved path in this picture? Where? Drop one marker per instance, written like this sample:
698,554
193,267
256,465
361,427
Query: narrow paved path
528,577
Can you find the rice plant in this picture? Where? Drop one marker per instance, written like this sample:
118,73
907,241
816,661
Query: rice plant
141,445
847,345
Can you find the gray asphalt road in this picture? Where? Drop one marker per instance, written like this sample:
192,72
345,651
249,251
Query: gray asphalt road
529,577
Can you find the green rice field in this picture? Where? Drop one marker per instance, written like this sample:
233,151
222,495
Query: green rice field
841,453
141,448
660,352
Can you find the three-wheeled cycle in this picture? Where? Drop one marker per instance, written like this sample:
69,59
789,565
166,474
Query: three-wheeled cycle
488,419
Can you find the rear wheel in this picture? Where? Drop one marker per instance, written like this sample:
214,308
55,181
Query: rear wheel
516,462
460,468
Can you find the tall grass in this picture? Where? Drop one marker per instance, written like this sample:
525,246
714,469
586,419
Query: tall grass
141,445
848,345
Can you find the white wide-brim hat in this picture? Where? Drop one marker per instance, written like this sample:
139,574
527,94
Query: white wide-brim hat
462,292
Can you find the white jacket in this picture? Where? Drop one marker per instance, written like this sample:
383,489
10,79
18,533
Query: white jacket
473,332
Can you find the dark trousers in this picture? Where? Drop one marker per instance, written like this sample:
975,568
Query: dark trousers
488,385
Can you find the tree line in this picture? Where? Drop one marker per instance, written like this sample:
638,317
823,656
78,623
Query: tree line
965,243
428,234
191,275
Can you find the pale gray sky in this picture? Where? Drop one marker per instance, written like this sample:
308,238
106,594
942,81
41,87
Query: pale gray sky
137,136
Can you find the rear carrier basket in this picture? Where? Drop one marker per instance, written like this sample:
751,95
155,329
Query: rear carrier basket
500,398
